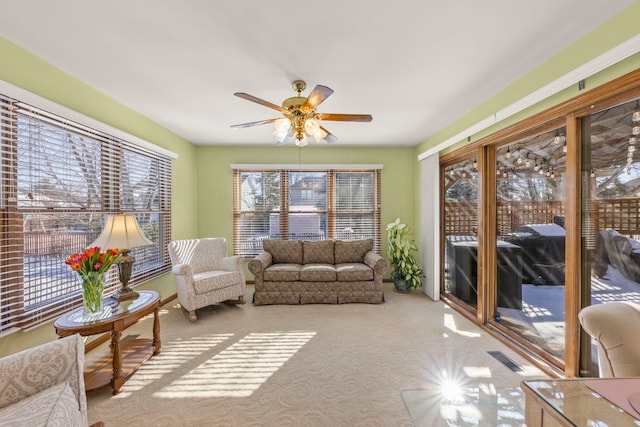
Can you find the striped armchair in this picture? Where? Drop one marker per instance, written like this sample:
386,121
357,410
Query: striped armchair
204,274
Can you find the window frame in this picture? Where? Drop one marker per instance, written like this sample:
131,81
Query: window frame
331,211
17,311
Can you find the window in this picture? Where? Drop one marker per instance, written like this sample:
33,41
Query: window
59,181
312,204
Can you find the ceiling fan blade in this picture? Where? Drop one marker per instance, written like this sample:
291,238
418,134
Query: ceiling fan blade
330,137
317,95
260,101
248,125
344,117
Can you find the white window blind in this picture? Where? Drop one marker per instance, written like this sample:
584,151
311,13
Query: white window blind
304,205
59,181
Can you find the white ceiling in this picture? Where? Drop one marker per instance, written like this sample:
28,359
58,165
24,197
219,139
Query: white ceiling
415,65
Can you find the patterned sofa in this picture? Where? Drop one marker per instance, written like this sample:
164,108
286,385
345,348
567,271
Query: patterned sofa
323,271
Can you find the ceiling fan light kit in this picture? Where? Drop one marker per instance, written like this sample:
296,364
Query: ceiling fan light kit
301,122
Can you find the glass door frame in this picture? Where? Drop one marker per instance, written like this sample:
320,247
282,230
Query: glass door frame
570,113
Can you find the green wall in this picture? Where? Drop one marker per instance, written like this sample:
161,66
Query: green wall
215,179
604,38
28,72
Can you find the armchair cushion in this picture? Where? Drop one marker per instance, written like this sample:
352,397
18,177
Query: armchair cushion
206,255
214,280
56,406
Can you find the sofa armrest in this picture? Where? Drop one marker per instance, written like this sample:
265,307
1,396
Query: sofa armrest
260,263
257,267
376,262
36,369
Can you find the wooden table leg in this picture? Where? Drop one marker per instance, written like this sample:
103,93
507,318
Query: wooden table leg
156,331
116,381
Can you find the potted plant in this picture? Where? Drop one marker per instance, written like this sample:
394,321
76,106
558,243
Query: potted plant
405,271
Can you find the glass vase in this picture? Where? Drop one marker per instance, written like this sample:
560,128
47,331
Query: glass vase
92,288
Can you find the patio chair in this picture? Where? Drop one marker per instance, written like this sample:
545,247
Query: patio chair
614,327
205,275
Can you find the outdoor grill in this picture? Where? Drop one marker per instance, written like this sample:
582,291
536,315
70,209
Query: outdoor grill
542,252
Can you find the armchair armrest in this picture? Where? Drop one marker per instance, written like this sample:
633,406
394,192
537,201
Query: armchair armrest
232,263
182,270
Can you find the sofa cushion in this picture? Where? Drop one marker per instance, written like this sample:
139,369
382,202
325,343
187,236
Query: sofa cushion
351,250
353,272
317,252
55,406
318,273
284,251
213,280
282,273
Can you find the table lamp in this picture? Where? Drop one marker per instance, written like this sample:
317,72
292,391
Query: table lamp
122,232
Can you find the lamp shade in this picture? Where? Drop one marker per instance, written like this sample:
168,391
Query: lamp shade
121,232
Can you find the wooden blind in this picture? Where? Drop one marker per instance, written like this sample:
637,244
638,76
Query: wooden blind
305,205
59,181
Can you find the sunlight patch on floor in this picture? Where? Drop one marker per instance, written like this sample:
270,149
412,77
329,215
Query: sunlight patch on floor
450,323
240,369
477,371
172,356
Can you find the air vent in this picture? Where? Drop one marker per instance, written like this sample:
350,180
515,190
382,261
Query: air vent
502,358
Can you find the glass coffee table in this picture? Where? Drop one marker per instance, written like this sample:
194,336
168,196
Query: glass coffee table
124,358
479,405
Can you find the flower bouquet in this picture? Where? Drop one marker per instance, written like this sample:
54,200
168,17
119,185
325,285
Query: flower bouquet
91,265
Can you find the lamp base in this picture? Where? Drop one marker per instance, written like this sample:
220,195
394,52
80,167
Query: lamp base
127,294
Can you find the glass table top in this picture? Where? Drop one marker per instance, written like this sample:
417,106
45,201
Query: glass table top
481,405
112,308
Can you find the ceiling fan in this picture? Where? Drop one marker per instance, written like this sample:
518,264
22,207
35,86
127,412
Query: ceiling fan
300,123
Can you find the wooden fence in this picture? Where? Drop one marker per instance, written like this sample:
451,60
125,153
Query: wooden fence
54,243
618,214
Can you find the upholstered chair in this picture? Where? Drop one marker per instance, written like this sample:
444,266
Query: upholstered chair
204,274
44,385
614,327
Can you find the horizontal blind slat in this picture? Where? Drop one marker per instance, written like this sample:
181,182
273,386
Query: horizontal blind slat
59,181
308,204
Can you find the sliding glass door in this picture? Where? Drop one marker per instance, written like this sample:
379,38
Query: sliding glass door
460,188
542,218
530,237
611,205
